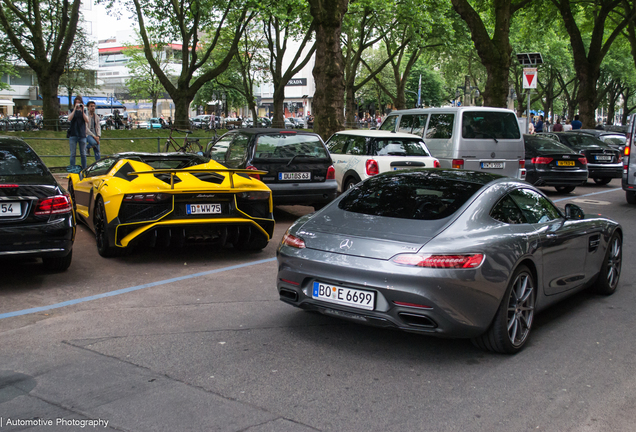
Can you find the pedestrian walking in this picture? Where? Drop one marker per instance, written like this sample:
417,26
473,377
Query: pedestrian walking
539,126
94,131
212,121
77,131
567,126
124,116
576,123
558,127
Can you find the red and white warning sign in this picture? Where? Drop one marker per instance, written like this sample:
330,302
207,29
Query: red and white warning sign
529,78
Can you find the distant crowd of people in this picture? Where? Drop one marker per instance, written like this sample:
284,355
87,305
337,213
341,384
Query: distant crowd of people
540,124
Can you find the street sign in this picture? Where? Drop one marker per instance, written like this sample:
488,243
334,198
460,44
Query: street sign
529,78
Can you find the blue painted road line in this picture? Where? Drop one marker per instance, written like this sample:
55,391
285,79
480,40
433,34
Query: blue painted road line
131,289
586,195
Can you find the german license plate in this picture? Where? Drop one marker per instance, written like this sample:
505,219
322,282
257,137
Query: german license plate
344,296
492,165
603,158
565,163
294,176
10,209
195,209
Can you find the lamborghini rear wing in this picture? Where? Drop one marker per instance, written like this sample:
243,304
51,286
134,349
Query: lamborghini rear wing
172,172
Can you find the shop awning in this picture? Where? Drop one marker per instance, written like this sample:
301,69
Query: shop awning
6,102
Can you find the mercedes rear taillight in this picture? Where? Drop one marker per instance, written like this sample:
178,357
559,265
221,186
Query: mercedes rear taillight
460,261
54,205
293,241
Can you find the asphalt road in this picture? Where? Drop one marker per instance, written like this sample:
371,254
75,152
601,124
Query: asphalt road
197,340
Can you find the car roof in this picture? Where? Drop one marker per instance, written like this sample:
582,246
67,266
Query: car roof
452,109
377,133
268,131
467,176
11,141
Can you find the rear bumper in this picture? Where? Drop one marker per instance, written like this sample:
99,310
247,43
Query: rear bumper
605,170
559,178
304,193
48,239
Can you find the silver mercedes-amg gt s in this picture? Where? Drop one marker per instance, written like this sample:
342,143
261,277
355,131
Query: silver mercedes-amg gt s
448,253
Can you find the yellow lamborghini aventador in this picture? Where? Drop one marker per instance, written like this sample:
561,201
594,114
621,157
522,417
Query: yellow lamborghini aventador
162,199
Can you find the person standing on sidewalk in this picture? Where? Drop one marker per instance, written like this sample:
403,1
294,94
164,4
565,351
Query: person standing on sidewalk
94,131
576,123
77,131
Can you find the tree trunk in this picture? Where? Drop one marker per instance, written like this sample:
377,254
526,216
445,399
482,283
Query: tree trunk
154,107
351,109
328,103
252,107
50,103
400,98
497,87
181,108
587,95
278,119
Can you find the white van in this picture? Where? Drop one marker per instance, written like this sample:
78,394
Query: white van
473,138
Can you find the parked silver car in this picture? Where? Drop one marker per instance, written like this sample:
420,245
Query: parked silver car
449,253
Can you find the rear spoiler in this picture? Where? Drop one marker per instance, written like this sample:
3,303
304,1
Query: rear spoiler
172,172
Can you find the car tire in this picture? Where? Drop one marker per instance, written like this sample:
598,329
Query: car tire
350,184
511,326
610,273
564,189
602,181
101,232
58,264
630,197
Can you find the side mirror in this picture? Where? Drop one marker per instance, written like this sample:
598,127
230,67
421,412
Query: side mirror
573,211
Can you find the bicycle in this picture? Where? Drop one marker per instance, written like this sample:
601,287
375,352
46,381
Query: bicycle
190,145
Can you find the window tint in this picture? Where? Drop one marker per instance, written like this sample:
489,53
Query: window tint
440,126
20,160
101,167
581,142
506,211
237,152
336,144
615,140
498,125
419,123
389,123
219,150
400,147
356,146
287,145
406,124
423,195
535,207
544,145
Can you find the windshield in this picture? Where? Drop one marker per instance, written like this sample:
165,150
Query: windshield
19,161
485,124
581,142
423,195
287,146
400,147
614,140
545,145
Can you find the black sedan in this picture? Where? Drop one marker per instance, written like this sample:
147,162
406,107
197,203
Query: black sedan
36,215
550,163
298,164
449,253
603,162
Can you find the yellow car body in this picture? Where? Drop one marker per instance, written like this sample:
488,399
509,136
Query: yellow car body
146,198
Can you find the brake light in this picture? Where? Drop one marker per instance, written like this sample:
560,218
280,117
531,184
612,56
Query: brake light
331,173
466,261
253,168
8,185
293,241
583,160
436,164
626,150
54,205
458,163
372,167
541,160
522,163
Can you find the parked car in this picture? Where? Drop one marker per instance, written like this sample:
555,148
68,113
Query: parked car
36,215
628,180
473,138
450,253
200,122
603,162
616,140
550,163
297,122
163,199
360,154
298,165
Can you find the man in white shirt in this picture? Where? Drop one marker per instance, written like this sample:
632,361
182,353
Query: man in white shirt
93,131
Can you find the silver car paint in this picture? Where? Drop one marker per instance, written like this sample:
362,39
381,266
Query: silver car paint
464,301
